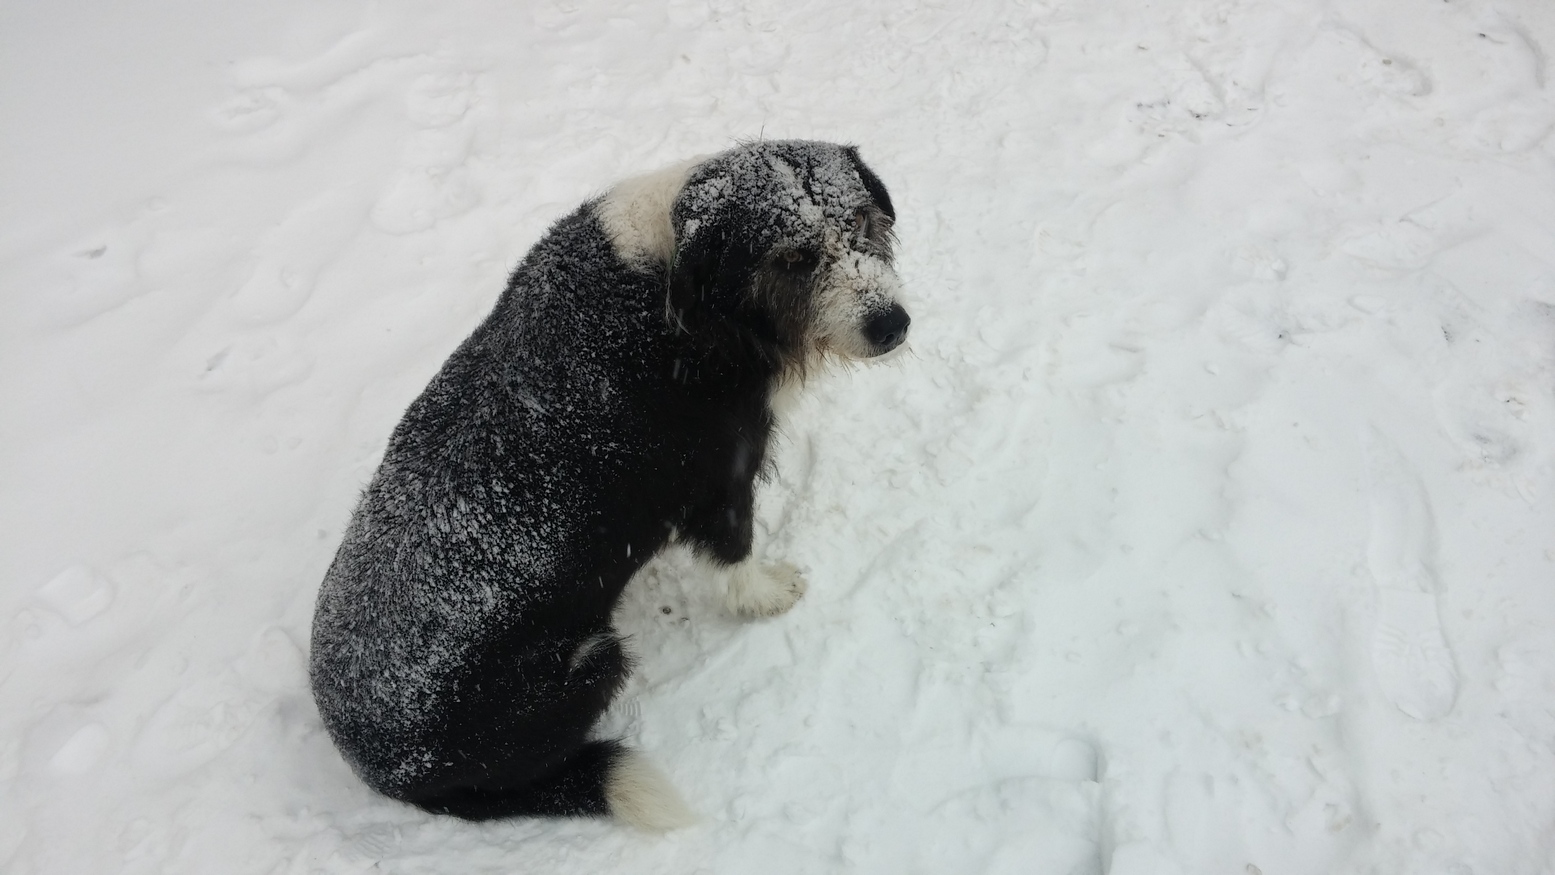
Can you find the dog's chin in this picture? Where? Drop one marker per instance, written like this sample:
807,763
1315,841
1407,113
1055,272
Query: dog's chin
857,350
886,355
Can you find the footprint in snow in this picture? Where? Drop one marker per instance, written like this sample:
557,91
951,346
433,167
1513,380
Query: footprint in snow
196,723
256,364
1377,71
1410,654
78,594
82,751
432,183
97,275
1015,825
290,257
420,196
437,100
623,719
251,110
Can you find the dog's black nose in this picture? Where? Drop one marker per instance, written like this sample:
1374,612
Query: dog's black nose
886,330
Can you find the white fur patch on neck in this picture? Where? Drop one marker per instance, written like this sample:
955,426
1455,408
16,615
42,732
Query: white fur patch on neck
635,213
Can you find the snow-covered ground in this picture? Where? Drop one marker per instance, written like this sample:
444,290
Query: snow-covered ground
1208,527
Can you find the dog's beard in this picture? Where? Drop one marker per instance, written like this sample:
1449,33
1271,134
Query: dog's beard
855,286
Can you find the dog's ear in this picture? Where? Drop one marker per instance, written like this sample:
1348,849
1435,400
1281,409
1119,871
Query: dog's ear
705,299
871,182
691,296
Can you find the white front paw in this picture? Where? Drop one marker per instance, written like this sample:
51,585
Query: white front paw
764,590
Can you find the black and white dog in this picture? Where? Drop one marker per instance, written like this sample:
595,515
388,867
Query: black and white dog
617,397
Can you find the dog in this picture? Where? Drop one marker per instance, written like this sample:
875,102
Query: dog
617,398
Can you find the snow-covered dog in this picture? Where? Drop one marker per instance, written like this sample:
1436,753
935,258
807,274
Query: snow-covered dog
617,397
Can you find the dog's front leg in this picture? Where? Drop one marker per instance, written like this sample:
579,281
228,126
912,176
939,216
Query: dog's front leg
722,532
757,590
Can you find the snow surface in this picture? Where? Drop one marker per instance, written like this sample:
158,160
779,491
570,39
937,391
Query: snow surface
1208,527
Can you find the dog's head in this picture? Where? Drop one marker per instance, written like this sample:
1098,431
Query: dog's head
785,248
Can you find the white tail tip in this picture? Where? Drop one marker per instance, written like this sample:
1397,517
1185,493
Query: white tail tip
641,795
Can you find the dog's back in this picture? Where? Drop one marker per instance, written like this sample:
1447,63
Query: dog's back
466,573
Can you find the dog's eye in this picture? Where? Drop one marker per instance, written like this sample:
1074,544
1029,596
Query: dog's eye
861,222
795,258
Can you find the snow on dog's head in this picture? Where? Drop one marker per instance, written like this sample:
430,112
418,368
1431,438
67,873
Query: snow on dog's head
782,247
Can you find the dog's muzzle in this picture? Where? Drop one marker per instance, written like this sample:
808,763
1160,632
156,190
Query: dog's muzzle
887,329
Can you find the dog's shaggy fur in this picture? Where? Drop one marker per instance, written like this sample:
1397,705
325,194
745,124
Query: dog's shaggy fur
617,397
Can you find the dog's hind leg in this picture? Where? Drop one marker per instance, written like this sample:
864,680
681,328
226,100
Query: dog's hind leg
518,744
638,793
601,778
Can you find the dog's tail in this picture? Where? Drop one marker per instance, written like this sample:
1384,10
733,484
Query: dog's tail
602,778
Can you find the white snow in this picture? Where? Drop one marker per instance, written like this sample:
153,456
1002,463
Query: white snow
1208,526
